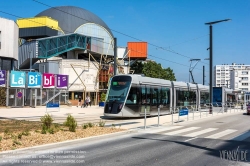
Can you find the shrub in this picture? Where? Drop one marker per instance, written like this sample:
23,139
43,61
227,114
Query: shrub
47,121
26,132
84,126
7,131
51,130
19,136
91,124
15,142
101,123
103,97
71,123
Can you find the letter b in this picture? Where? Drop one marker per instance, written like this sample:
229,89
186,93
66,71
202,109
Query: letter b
46,81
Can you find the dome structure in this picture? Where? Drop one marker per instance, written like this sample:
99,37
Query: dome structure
77,20
70,18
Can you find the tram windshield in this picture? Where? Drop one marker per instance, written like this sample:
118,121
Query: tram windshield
119,88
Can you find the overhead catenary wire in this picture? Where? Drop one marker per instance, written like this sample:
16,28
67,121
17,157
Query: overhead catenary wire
159,47
105,42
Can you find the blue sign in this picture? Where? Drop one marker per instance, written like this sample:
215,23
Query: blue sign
52,105
2,78
34,80
183,112
17,79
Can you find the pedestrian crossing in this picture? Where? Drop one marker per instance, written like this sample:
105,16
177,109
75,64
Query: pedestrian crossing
194,132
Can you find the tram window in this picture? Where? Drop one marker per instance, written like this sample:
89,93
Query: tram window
165,93
133,96
145,95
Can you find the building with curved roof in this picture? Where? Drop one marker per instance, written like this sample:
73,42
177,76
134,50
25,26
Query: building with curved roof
64,40
71,18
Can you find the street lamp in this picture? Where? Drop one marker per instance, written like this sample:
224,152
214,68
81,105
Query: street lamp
211,58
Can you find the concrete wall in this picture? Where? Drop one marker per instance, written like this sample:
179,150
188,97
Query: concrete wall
9,38
88,77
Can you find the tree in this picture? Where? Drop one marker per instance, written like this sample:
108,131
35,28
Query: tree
137,67
154,70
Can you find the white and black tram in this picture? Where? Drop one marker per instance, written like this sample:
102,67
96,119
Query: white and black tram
128,95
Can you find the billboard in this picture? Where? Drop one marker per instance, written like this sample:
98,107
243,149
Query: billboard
34,80
62,81
48,80
17,79
2,78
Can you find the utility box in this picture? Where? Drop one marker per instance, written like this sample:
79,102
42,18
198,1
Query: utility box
138,50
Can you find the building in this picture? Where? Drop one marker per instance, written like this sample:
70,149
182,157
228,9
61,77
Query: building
239,78
8,44
73,41
222,74
8,53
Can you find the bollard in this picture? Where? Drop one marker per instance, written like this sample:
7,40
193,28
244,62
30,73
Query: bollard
158,116
200,112
178,115
145,117
193,112
172,115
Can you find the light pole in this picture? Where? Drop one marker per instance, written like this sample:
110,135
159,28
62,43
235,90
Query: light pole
211,58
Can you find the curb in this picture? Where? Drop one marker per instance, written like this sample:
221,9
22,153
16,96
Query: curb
68,142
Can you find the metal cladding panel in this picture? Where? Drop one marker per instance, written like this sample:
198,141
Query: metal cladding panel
180,85
203,87
138,50
27,50
37,32
37,22
49,67
192,86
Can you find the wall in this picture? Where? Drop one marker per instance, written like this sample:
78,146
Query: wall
88,77
9,38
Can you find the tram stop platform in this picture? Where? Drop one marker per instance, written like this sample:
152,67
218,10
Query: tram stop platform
94,114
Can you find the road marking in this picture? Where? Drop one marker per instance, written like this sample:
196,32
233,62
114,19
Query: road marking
154,130
194,134
181,131
242,136
190,139
221,134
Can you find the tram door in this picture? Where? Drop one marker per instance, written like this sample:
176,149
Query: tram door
145,99
155,96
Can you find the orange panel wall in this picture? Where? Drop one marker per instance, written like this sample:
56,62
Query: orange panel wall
138,50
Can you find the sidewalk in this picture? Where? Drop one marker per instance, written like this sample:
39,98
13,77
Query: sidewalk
95,113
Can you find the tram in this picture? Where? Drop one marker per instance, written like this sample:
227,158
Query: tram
129,96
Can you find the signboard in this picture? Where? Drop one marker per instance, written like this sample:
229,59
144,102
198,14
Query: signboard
217,95
34,80
183,112
19,95
2,78
17,79
52,105
62,81
48,80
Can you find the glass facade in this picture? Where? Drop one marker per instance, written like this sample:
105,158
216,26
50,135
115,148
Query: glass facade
94,30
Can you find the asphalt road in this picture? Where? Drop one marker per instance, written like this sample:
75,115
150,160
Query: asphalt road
223,140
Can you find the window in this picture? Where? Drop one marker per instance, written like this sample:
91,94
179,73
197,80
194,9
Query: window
244,72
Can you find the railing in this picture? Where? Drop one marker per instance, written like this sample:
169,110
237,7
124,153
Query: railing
199,110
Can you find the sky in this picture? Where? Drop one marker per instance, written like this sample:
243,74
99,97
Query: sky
175,30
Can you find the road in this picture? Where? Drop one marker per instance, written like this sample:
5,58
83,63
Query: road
211,141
